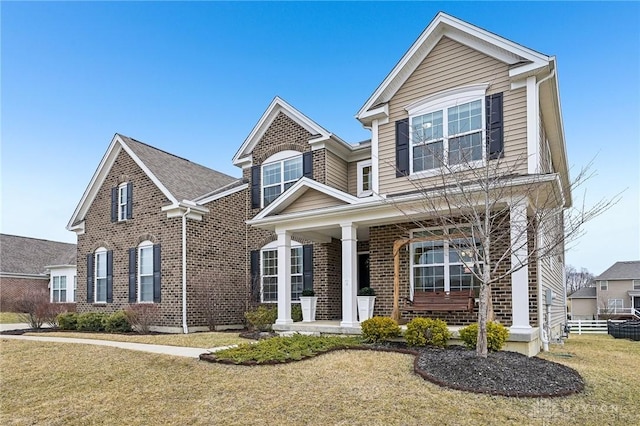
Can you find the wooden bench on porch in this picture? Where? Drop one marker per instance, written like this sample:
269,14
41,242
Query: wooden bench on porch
442,301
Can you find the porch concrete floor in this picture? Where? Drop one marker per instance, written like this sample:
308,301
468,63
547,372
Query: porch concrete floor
328,327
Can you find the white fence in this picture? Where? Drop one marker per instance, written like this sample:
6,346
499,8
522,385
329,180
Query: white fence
590,326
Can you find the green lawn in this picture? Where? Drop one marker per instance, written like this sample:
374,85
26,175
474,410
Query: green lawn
54,383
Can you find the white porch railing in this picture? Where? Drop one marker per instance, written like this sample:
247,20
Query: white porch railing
590,326
619,311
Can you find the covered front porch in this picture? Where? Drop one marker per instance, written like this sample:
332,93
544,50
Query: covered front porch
342,223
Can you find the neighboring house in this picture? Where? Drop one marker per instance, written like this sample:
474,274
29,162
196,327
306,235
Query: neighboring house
584,303
33,264
313,211
618,291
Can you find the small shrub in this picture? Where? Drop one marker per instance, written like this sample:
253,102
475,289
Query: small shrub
427,331
91,321
308,293
117,323
296,312
141,316
366,291
497,335
35,308
378,329
262,318
67,321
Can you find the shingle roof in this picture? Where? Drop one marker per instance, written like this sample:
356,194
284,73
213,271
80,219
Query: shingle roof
24,255
584,293
184,179
629,270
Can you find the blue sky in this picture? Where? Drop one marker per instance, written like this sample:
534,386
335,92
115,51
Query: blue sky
193,79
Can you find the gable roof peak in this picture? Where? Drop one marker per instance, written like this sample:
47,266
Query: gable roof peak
277,106
520,58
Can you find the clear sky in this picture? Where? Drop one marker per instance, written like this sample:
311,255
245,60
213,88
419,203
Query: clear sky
194,78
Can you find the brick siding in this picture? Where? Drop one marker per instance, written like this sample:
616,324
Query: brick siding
13,289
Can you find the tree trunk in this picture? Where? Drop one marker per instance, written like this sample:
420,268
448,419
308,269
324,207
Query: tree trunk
483,313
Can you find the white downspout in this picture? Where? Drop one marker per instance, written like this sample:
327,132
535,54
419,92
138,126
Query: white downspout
545,312
185,329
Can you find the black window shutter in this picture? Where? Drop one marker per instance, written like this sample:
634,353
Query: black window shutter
307,165
307,267
110,276
90,278
157,273
495,133
255,275
255,187
129,200
402,147
114,204
132,275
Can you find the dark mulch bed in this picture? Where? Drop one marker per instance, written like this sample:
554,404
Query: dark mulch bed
501,373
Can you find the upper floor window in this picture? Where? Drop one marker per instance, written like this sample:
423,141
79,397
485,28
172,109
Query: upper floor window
364,178
636,284
145,272
59,289
447,136
604,285
122,202
279,175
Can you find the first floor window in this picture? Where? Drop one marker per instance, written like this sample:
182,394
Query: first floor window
145,272
101,276
615,305
270,274
75,288
59,289
445,264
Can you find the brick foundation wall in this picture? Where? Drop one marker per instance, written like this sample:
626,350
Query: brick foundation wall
12,289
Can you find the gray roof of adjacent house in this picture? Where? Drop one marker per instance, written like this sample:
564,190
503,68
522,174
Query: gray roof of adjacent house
184,179
629,270
584,293
29,256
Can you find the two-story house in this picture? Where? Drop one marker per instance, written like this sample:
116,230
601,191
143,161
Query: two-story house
323,213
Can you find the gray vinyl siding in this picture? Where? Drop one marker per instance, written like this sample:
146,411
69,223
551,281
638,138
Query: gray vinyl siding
552,277
450,65
336,169
545,157
352,178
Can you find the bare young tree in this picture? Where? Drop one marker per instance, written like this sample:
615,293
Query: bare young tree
496,217
577,279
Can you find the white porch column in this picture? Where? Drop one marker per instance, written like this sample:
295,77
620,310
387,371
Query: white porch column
284,277
349,275
519,278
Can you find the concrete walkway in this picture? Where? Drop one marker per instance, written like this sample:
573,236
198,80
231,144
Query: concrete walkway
158,349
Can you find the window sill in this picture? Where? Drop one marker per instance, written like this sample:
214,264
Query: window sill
447,171
365,194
